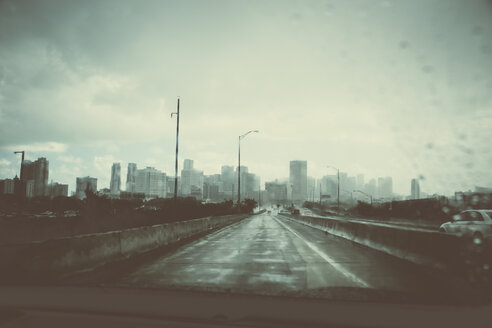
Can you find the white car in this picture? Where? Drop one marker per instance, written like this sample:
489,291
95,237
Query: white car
474,223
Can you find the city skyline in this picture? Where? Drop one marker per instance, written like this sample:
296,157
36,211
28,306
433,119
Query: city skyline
376,186
362,87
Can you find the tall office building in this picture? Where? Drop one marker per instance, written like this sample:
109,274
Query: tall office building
115,182
227,178
298,181
276,192
360,182
82,184
38,171
131,176
58,189
191,180
311,188
188,164
371,187
151,182
415,189
385,187
329,187
7,186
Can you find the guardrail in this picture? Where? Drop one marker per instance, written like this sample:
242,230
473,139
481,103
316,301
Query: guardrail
70,254
434,249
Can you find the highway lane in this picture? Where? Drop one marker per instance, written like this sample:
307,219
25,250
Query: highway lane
270,254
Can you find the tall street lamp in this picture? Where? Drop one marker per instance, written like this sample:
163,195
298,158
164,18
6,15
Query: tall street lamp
176,163
338,185
239,166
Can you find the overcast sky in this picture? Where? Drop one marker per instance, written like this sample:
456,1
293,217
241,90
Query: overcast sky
382,88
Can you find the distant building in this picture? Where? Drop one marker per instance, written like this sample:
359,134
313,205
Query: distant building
39,172
211,191
115,182
212,187
29,188
311,188
188,164
171,181
298,181
360,181
17,187
58,189
371,188
131,176
227,178
7,186
385,187
276,192
151,182
415,189
329,187
82,184
191,180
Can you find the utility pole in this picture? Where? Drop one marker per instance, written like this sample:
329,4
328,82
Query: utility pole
338,193
239,173
239,166
22,162
176,164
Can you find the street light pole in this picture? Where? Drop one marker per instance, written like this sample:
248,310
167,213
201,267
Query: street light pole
239,172
176,163
239,165
338,200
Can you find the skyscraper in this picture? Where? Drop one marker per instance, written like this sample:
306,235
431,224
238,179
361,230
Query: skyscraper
276,192
115,182
360,181
415,189
131,176
38,171
385,187
227,178
82,184
188,164
151,182
298,180
371,187
191,180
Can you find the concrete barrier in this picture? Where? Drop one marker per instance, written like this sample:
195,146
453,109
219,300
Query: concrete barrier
69,254
433,249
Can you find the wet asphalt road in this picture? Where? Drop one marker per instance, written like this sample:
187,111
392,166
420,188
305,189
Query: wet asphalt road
270,254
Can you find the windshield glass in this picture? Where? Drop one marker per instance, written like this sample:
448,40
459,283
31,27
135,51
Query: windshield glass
288,148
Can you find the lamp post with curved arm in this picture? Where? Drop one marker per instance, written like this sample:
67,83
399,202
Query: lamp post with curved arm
239,165
338,185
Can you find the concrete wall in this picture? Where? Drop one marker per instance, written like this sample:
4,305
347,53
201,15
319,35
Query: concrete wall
83,252
433,249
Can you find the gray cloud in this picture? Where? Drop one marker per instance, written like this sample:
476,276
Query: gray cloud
349,83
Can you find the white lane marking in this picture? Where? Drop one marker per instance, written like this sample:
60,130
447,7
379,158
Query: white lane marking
328,259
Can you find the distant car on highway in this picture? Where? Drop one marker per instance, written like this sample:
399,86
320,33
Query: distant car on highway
283,212
473,223
306,212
